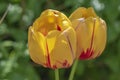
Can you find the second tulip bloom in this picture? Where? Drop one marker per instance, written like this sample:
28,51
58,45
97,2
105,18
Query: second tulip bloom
90,31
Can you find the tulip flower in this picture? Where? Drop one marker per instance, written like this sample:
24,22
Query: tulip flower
91,33
52,40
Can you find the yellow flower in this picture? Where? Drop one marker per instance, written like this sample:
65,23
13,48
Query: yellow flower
52,40
90,31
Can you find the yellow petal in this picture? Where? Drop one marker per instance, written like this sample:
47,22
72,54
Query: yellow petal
82,13
63,53
51,39
36,43
99,37
84,35
50,20
91,36
77,13
91,33
91,12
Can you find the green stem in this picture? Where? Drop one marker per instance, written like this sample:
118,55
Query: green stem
4,15
56,74
72,73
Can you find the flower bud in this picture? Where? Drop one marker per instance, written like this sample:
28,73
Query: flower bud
90,31
52,40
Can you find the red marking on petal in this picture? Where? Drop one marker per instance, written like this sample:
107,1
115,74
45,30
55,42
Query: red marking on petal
48,64
70,47
58,28
92,39
65,63
68,65
89,52
86,55
54,67
54,12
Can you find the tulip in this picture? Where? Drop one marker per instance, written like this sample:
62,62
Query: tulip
91,33
52,40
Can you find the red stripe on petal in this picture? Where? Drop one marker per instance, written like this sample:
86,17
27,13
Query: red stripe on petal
70,47
89,52
54,67
92,39
58,28
86,55
48,64
54,12
65,64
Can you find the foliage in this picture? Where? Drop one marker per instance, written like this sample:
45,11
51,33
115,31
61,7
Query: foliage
15,63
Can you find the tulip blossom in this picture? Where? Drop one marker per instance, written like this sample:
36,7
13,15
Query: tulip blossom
91,33
52,40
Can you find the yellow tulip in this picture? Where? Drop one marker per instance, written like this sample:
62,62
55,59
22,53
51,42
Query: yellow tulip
90,31
52,40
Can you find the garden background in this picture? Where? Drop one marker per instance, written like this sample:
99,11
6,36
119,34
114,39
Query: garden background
15,63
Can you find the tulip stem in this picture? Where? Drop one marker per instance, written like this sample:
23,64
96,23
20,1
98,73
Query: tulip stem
72,73
56,74
4,15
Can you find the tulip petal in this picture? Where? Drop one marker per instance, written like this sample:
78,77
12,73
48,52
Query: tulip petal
86,33
99,37
36,42
77,13
91,33
50,44
82,13
94,29
64,50
51,39
51,20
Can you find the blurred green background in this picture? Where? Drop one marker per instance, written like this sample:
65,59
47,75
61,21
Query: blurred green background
15,63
